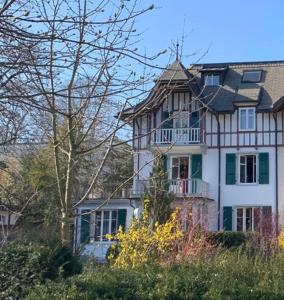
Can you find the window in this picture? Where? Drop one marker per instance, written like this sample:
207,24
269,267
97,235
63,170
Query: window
2,219
247,119
252,76
181,120
248,218
105,223
211,79
247,168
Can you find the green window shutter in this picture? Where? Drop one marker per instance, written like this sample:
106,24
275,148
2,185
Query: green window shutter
167,121
196,166
165,163
263,168
230,168
194,119
227,218
85,227
121,218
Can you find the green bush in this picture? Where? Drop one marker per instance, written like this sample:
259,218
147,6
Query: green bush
228,239
229,275
23,265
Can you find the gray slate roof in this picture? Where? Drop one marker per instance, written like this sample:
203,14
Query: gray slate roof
266,95
224,97
175,71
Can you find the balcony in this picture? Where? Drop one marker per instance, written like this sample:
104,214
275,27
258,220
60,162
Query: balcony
179,187
177,136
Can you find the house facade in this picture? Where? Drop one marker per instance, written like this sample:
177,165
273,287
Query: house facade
219,129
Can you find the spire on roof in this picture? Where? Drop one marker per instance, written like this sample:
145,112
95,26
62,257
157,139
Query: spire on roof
177,54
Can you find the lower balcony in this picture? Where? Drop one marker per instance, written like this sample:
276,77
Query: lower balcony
179,187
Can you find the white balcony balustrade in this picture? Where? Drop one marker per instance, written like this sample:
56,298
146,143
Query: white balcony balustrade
178,136
180,187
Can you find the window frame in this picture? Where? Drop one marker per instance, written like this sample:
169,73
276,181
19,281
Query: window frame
93,227
247,119
256,169
252,71
253,225
206,75
171,166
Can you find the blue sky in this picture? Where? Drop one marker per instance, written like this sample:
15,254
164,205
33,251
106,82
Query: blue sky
238,30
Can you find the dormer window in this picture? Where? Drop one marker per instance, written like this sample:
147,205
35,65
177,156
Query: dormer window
252,76
211,79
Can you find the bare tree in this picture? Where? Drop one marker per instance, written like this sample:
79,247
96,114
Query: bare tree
71,67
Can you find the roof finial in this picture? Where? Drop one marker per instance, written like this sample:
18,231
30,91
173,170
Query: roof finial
177,54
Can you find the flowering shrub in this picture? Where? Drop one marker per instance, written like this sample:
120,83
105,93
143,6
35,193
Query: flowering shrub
281,239
141,244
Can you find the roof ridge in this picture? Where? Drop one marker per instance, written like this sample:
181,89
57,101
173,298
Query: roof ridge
244,63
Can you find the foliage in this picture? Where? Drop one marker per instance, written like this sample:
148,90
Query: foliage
229,275
24,264
140,244
228,239
158,198
281,239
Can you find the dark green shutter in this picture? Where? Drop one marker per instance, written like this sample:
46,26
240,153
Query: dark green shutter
230,168
227,218
165,163
85,227
196,166
194,119
121,218
263,168
167,121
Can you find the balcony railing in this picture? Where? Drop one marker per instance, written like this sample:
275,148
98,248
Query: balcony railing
177,136
179,187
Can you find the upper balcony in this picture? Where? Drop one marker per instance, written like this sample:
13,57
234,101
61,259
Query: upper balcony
177,136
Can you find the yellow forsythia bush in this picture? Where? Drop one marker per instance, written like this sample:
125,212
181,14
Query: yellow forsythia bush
281,238
140,243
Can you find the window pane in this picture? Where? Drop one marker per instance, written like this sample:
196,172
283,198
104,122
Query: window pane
106,221
252,76
243,169
114,222
207,80
243,119
242,173
216,80
251,169
250,119
249,219
183,168
98,223
239,219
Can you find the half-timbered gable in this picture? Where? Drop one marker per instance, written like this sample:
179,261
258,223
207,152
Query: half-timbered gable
220,114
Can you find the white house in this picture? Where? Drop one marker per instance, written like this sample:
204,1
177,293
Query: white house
220,130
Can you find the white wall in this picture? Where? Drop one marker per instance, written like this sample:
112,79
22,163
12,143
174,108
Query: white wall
281,184
248,194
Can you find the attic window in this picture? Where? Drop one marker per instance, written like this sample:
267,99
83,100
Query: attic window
211,79
252,76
